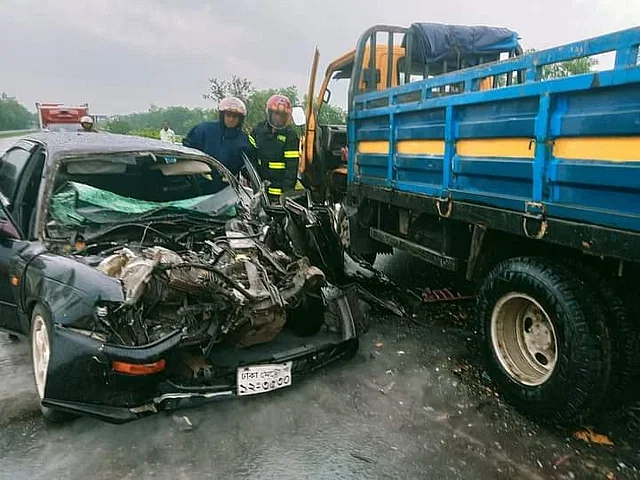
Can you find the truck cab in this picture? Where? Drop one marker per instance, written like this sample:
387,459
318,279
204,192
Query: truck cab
324,146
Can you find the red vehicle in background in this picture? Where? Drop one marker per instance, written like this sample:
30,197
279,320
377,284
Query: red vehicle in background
57,117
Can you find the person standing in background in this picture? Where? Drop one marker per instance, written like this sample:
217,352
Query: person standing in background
166,134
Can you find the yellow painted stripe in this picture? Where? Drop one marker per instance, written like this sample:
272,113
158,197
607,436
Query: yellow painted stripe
420,147
496,147
607,149
373,146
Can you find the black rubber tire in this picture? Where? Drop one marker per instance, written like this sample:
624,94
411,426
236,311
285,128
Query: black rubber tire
51,415
307,319
625,341
580,379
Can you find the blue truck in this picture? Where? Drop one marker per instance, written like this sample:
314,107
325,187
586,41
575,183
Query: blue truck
466,152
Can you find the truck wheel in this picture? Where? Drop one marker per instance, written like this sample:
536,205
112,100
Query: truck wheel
625,341
41,345
544,339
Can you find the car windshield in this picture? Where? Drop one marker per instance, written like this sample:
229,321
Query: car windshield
99,191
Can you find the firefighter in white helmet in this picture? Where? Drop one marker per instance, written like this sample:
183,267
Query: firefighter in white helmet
86,124
224,139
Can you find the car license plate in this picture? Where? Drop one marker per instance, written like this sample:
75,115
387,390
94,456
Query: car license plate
263,378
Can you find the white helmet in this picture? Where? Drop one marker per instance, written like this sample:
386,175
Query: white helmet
232,104
86,119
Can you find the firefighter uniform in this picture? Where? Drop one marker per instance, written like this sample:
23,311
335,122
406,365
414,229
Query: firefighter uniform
278,158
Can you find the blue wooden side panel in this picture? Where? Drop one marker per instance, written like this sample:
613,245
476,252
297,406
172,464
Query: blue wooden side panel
504,147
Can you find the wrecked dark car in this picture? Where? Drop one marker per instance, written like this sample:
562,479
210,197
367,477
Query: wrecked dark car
146,277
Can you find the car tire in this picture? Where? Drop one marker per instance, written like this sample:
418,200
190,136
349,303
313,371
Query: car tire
544,339
625,340
307,319
41,345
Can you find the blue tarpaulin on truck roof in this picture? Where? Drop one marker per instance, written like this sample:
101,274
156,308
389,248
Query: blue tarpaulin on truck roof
434,41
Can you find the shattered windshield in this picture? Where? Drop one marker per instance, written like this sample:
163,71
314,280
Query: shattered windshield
95,192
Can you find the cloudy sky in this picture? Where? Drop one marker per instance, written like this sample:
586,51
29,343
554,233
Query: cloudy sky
123,55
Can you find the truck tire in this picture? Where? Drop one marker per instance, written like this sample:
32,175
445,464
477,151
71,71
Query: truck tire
544,339
625,341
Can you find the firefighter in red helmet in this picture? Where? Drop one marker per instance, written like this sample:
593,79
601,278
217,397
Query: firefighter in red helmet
278,148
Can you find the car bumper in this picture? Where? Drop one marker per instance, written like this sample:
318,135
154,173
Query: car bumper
81,379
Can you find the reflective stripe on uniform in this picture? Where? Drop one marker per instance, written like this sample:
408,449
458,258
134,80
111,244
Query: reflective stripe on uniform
252,141
277,165
275,191
291,154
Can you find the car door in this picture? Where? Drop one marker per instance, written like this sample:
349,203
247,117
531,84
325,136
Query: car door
11,244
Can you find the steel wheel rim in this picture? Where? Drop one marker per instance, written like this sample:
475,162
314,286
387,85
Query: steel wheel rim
524,339
40,349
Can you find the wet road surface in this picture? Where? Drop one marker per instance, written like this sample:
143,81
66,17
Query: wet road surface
412,404
5,143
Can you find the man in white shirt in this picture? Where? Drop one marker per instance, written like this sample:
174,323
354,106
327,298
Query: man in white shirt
166,134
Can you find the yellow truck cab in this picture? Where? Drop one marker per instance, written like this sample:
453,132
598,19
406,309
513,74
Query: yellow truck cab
323,147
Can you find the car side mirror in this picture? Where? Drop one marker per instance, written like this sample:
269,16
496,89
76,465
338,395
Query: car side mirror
298,116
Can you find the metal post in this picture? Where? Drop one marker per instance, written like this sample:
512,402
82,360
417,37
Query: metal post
390,59
407,56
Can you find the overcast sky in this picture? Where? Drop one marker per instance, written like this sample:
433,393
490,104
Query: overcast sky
123,55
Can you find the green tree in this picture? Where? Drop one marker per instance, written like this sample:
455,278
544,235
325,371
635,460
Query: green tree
576,66
13,115
331,115
118,126
236,87
181,119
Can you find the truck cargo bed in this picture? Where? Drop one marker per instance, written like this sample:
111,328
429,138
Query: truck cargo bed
566,149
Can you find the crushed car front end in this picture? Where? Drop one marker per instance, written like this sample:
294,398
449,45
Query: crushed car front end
212,293
119,384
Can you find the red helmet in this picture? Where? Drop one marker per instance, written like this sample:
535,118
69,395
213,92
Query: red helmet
278,111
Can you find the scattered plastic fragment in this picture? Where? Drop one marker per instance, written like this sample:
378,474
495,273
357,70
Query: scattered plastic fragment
590,436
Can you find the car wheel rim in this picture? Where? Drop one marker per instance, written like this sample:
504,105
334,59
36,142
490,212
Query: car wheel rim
524,339
40,351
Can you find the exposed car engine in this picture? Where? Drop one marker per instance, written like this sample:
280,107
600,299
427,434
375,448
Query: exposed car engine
232,290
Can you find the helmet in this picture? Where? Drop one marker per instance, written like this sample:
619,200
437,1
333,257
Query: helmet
232,104
278,104
86,119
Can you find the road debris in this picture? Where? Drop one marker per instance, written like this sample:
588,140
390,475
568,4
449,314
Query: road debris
183,423
562,460
443,295
386,389
589,436
361,457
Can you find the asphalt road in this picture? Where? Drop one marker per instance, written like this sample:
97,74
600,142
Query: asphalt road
413,404
5,143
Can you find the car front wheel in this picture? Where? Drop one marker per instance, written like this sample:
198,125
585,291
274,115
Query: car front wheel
41,346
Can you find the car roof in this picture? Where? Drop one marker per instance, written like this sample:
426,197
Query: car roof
70,143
